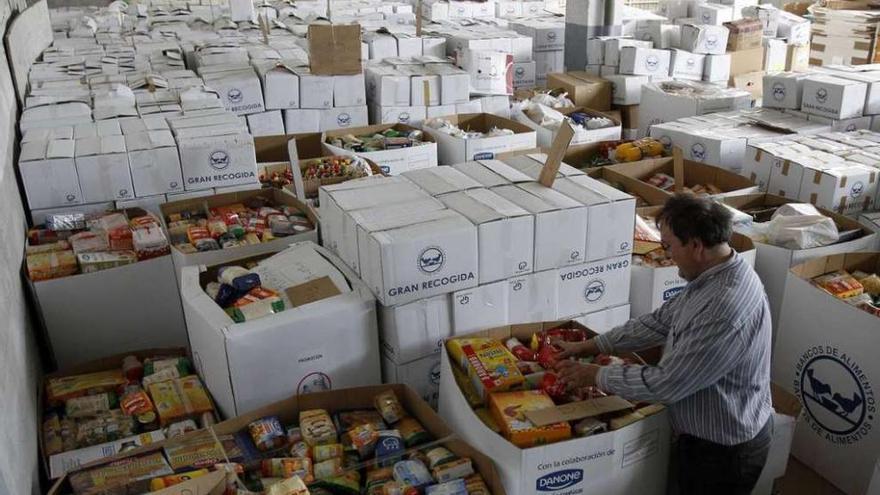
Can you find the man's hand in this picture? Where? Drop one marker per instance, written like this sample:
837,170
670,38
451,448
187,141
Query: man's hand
577,375
570,349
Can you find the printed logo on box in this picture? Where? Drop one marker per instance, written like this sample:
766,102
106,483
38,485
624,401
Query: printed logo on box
235,95
706,18
652,62
560,480
836,393
486,155
431,259
711,39
518,285
314,382
857,189
219,160
551,36
343,119
520,72
464,300
594,290
821,95
403,117
778,91
690,62
70,197
434,375
698,152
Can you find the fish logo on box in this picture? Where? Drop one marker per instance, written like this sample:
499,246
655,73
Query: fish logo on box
403,118
464,300
594,291
551,36
219,160
235,95
70,197
518,286
698,152
434,375
343,119
431,260
652,63
836,393
520,72
560,480
778,91
821,95
706,18
711,39
857,189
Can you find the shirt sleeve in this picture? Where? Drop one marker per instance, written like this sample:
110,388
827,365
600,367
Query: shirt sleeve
640,333
704,351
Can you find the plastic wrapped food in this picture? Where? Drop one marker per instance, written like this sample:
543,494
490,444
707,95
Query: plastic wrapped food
412,473
389,407
412,432
90,405
458,468
267,433
840,284
317,427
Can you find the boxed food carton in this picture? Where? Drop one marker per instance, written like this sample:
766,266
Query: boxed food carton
102,168
154,162
48,173
833,97
583,89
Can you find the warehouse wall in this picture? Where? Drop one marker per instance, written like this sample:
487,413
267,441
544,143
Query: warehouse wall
19,362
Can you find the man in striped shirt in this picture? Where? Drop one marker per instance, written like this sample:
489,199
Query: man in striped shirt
714,374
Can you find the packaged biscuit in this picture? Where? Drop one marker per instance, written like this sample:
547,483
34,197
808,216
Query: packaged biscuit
168,401
60,389
840,284
54,264
317,427
97,261
455,469
267,433
200,450
327,451
508,409
175,479
129,475
195,398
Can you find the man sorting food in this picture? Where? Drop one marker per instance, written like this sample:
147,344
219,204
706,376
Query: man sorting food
714,374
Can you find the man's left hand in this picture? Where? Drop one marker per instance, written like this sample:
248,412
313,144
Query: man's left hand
577,375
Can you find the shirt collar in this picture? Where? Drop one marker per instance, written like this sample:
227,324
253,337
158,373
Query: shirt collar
724,265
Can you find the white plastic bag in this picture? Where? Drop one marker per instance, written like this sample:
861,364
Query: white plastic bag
801,226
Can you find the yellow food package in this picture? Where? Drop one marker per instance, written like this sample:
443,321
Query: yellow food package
169,403
492,368
455,348
63,388
195,399
54,264
508,409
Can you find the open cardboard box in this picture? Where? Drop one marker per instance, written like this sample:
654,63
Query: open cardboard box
826,355
393,161
288,411
545,136
277,197
56,465
452,150
635,175
633,188
772,262
632,459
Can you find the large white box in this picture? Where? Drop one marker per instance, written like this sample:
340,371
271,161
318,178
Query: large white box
593,286
484,306
833,97
826,355
633,459
708,39
331,343
847,190
638,61
411,331
239,90
269,123
412,116
505,232
605,320
560,224
393,161
452,150
297,121
627,90
216,156
103,170
783,90
614,46
350,90
775,55
524,75
687,65
80,328
344,118
48,172
154,162
872,79
280,85
422,375
387,86
314,91
421,260
441,180
716,68
532,297
712,14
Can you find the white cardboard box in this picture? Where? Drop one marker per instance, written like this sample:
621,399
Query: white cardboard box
441,180
411,331
711,14
532,297
394,161
73,459
280,85
80,327
350,90
422,260
593,286
216,156
269,123
627,90
614,46
560,224
149,203
633,459
154,162
297,121
847,190
484,306
644,61
716,68
832,374
387,86
605,320
491,173
344,118
783,90
833,97
251,364
524,75
421,375
412,116
709,38
687,65
48,172
452,150
314,91
103,170
505,232
239,90
775,55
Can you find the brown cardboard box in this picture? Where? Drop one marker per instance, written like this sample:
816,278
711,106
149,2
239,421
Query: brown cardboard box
753,82
335,400
629,116
335,49
797,59
585,90
745,61
745,34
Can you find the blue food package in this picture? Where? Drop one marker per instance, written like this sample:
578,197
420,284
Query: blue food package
389,447
454,487
412,473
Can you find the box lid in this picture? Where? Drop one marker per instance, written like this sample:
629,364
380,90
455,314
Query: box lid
481,174
429,229
61,148
505,170
150,140
398,214
63,132
482,206
100,145
441,180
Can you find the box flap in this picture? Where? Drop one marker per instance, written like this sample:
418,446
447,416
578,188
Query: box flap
506,171
399,215
481,174
548,195
441,180
578,410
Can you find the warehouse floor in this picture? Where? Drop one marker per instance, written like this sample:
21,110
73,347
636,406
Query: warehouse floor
801,480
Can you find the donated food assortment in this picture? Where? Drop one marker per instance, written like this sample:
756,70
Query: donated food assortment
859,289
453,130
503,380
375,451
71,243
242,295
390,139
335,167
647,246
667,183
158,393
253,221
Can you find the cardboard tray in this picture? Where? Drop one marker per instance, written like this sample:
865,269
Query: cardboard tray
352,398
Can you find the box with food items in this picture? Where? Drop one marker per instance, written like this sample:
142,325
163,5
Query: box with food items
612,152
221,227
380,439
499,389
80,269
301,314
119,403
395,148
825,354
655,276
588,125
477,136
697,178
313,173
786,233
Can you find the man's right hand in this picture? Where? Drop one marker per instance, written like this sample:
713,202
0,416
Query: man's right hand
569,349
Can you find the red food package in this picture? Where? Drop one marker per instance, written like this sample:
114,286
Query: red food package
553,386
120,239
519,350
548,356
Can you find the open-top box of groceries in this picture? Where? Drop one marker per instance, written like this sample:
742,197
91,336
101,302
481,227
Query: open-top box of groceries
379,439
496,390
394,148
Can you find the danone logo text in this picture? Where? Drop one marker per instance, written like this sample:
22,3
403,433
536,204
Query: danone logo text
560,480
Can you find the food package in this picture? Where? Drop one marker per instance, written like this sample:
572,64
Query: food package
839,284
195,397
54,264
490,366
317,427
130,475
97,261
801,226
60,389
168,401
508,409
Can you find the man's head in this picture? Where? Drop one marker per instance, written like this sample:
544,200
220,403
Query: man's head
695,231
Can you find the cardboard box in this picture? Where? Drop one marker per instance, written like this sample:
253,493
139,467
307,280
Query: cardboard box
48,173
830,373
775,53
343,118
634,177
759,160
249,365
614,46
746,61
451,150
560,224
239,90
532,297
872,96
704,39
659,105
334,49
644,61
280,85
440,180
505,232
216,156
582,135
716,68
79,326
688,66
847,190
297,121
409,332
712,14
783,90
833,97
797,58
410,116
523,74
154,162
275,196
350,90
627,90
593,286
794,28
268,123
390,162
421,375
871,220
103,170
583,89
485,306
752,82
772,262
605,320
631,459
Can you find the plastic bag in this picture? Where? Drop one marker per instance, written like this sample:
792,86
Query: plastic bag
801,226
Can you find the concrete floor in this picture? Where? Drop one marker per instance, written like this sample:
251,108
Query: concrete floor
801,480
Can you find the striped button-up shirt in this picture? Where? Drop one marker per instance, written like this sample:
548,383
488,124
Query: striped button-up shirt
715,371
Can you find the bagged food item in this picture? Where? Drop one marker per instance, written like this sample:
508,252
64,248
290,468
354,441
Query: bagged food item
328,451
90,405
455,469
389,447
267,433
412,432
801,226
389,407
49,265
239,278
96,261
317,427
412,473
454,487
60,389
839,284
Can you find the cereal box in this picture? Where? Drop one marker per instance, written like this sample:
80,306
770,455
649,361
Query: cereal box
491,368
508,409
